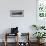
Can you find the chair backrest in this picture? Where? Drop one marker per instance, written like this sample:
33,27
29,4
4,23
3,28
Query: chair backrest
14,30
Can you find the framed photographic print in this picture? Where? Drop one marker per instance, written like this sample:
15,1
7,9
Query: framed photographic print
41,8
17,13
41,12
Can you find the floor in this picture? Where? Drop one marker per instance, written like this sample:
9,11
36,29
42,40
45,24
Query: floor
13,44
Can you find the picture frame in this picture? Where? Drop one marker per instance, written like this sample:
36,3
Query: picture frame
40,12
17,13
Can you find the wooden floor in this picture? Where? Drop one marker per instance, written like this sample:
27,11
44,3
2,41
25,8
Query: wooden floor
13,44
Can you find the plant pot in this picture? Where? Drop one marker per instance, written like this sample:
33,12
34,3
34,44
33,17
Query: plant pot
40,41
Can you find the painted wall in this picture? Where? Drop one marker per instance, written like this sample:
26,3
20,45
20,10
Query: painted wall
24,23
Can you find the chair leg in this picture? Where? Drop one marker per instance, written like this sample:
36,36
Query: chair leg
5,40
5,43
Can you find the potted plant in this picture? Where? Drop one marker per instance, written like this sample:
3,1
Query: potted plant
42,27
35,26
38,27
39,35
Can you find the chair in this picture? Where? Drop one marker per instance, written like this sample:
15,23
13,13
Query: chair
14,32
25,43
7,35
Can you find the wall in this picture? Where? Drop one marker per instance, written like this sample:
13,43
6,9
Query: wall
24,23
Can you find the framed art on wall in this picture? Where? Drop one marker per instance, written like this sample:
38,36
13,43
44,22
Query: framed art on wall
41,8
17,13
41,12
